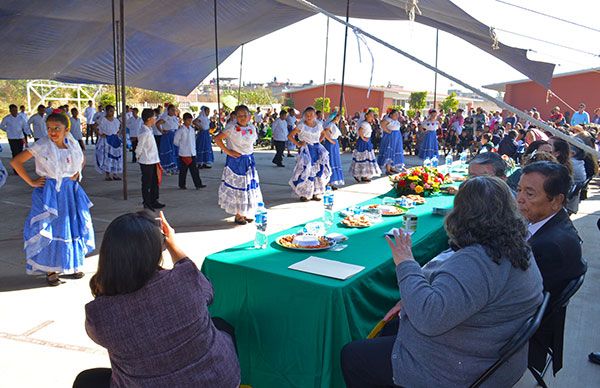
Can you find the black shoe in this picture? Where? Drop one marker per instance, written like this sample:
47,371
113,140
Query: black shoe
594,357
315,198
207,166
201,186
158,205
303,199
148,207
280,165
182,188
290,156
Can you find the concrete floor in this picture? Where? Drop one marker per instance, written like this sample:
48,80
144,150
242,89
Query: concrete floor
42,335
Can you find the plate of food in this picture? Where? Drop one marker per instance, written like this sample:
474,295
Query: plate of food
387,210
305,242
417,199
357,221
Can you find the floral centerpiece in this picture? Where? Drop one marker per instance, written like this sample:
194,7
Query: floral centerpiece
422,181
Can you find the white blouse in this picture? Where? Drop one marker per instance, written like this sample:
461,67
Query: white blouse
107,127
55,163
241,139
430,125
393,125
171,123
310,135
367,129
335,131
204,122
76,128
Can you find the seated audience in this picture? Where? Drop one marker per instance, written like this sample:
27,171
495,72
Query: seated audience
485,164
154,322
457,312
508,145
556,246
535,147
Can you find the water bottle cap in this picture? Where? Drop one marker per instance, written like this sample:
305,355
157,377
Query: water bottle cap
260,204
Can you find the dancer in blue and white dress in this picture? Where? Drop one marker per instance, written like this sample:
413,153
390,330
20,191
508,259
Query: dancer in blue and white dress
331,134
430,147
204,153
312,171
109,147
168,151
239,193
391,149
58,232
364,164
3,174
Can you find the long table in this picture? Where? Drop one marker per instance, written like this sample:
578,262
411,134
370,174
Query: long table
291,326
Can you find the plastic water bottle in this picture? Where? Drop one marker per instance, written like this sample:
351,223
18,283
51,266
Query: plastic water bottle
435,161
463,158
448,163
260,219
328,214
427,162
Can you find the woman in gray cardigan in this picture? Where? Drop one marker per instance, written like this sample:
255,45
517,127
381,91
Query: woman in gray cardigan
458,310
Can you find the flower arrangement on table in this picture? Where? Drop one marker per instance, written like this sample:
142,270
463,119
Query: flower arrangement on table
422,181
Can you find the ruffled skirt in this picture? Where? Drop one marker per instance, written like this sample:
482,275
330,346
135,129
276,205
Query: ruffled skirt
239,192
168,153
3,174
429,147
109,155
364,164
58,232
204,152
335,162
312,171
391,151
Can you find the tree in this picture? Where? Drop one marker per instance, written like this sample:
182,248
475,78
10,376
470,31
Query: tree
252,96
323,105
450,103
107,99
418,100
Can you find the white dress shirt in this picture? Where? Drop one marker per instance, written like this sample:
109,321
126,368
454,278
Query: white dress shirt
280,130
134,124
146,150
76,128
24,116
14,126
185,139
39,126
89,114
533,228
258,118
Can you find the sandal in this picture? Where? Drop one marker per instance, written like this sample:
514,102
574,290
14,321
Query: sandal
108,178
240,220
356,179
315,198
249,220
303,199
76,275
116,178
53,280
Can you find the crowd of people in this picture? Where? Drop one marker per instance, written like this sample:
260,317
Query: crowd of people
492,276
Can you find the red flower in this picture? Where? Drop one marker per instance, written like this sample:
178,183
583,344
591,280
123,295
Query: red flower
402,183
425,177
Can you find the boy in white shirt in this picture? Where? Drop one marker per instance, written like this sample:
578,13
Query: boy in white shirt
39,123
147,156
16,129
185,139
134,124
89,113
76,127
280,134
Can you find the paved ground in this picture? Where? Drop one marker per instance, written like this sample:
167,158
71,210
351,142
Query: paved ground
42,336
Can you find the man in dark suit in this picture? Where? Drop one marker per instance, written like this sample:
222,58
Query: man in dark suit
556,246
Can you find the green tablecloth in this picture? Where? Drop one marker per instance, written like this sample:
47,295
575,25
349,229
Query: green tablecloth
291,326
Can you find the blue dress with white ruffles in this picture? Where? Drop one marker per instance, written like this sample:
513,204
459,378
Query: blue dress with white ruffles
58,232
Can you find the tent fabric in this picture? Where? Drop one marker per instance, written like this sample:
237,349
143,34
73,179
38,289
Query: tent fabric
170,45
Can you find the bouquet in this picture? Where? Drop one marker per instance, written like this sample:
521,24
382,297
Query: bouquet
422,181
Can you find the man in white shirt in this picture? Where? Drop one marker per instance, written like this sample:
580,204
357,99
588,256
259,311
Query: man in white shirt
22,113
258,118
89,113
147,155
96,119
39,123
280,134
49,108
16,129
134,124
185,139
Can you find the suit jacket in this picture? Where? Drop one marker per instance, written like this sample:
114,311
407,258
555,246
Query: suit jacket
556,247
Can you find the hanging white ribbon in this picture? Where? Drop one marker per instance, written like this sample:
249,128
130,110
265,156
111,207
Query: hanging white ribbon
361,39
412,9
495,42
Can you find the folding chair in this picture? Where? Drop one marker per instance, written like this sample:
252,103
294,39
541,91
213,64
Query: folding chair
517,342
561,302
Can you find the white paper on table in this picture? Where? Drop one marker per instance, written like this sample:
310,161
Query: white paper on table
329,268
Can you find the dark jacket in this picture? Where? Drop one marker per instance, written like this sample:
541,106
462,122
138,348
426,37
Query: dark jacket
508,146
556,247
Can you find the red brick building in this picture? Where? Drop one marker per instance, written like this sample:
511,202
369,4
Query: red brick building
574,87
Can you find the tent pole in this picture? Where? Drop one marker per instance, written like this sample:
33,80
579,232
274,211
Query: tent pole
123,94
240,79
325,67
217,65
477,91
437,35
344,60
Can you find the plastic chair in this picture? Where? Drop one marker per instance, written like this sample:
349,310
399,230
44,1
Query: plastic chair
517,342
560,303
